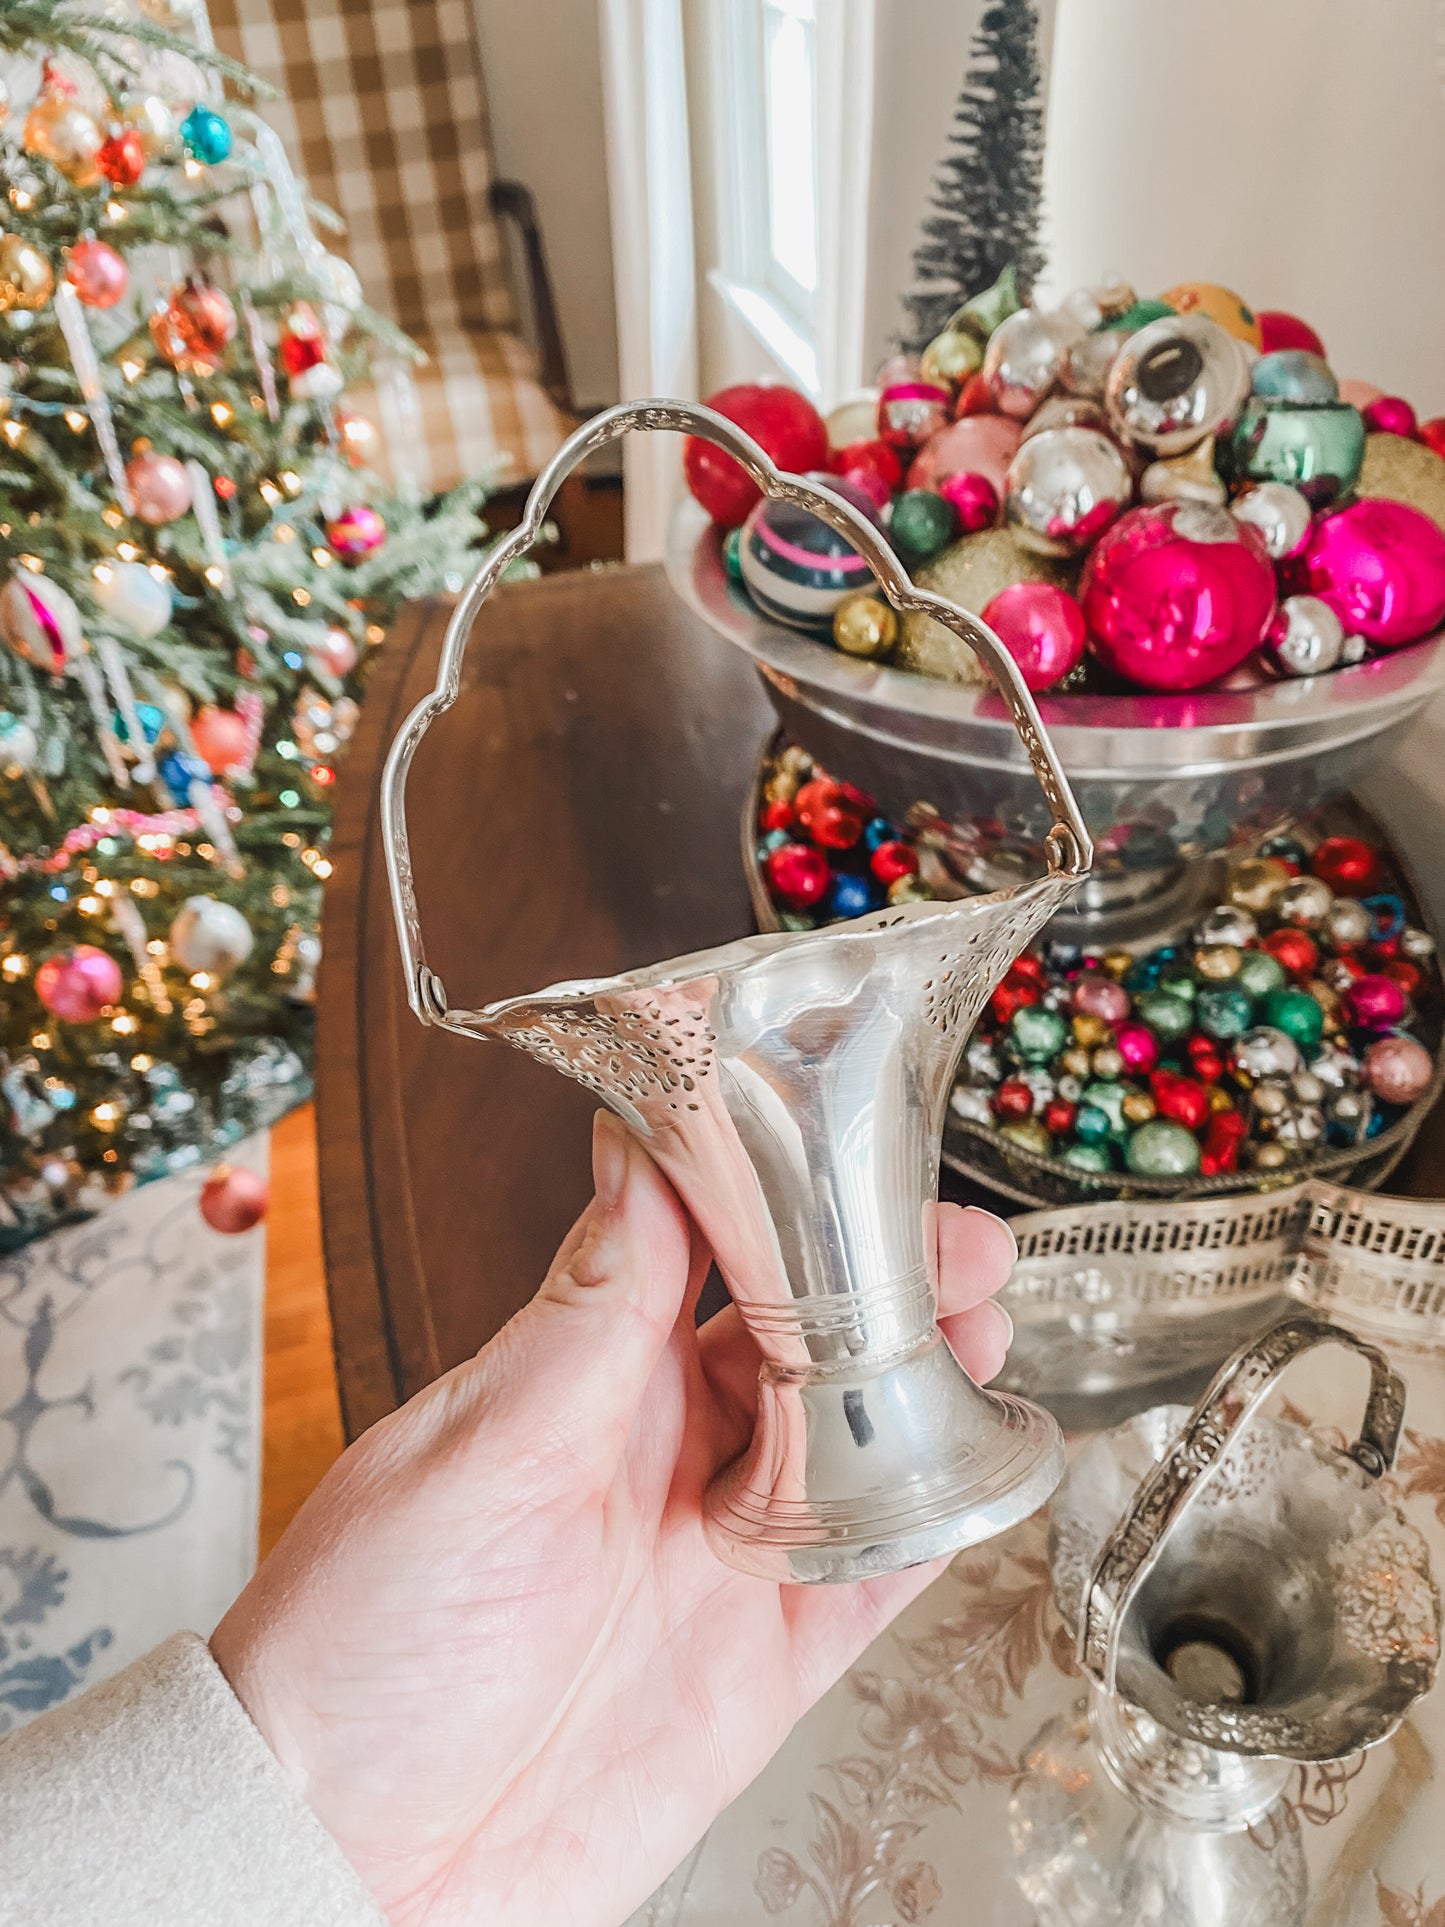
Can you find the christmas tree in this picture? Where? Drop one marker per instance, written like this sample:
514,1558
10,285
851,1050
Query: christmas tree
195,560
985,198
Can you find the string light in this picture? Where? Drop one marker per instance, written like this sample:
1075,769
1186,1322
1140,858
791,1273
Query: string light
284,532
116,212
222,413
375,633
144,886
290,481
22,198
14,433
75,419
302,598
127,551
124,1024
33,563
141,1062
323,558
269,493
132,369
41,1040
215,575
106,1114
112,518
90,906
202,980
15,966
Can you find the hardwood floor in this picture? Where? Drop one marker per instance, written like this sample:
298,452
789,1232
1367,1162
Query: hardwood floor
302,1416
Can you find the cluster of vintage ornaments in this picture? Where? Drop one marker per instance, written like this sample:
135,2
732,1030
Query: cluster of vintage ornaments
1209,495
1284,1025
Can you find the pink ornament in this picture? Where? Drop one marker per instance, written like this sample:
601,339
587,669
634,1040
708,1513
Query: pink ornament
872,484
1042,627
221,738
1359,394
1380,565
1397,1069
1374,1003
974,499
333,653
1391,415
97,273
78,985
234,1199
1099,996
355,534
978,445
1138,1046
1176,595
160,487
910,409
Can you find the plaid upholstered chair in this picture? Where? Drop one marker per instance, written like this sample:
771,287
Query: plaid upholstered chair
383,111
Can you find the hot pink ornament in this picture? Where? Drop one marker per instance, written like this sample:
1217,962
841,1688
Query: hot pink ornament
1380,565
1397,1069
97,273
1099,996
872,484
1138,1046
910,409
160,487
1042,627
1177,594
355,534
1391,415
1374,1003
78,985
974,499
978,445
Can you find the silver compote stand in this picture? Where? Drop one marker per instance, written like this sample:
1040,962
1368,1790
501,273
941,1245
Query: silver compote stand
793,1089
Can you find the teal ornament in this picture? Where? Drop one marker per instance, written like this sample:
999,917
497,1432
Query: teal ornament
1169,1017
1260,973
1037,1034
1088,1157
1297,1014
1316,448
773,840
1162,1149
1225,1011
207,135
1293,374
1091,1125
1107,1097
732,554
922,526
151,719
19,746
1132,319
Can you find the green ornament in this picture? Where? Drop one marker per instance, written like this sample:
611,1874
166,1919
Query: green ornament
1297,1014
1088,1157
922,525
1132,319
1178,980
982,313
1260,973
733,554
1108,1098
797,920
1317,449
1224,1011
1028,1134
1091,1125
1037,1034
1162,1149
1168,1016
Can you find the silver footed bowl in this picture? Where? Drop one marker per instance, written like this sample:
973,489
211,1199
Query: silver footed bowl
1162,781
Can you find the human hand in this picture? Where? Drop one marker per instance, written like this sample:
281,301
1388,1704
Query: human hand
495,1650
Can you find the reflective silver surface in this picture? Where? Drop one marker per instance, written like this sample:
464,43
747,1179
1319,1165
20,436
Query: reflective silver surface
1161,780
793,1089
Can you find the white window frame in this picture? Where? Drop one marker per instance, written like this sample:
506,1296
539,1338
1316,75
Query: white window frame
819,340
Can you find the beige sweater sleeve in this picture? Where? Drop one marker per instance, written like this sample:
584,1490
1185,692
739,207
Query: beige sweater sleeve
152,1801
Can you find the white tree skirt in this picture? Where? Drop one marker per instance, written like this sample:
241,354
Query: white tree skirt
130,1430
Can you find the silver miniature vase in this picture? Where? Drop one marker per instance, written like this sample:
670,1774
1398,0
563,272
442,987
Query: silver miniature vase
793,1087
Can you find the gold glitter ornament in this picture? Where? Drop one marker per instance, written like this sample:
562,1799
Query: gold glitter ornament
1118,963
1076,1062
1217,961
864,625
970,573
1138,1107
1270,1157
27,279
1220,1100
1255,883
59,130
1404,471
1090,1031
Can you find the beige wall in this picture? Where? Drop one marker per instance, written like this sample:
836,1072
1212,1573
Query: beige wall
544,85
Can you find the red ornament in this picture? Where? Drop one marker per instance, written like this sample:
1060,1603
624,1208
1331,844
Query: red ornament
122,159
829,815
798,876
1391,415
221,739
784,424
776,816
355,534
974,398
195,327
1227,1132
1279,330
875,455
97,273
1013,1099
1347,865
1180,1098
1295,951
1010,997
893,860
1059,1115
1432,434
79,985
1027,969
303,341
234,1199
1406,974
974,499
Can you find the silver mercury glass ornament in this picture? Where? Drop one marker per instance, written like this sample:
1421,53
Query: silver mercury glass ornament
1064,488
1279,512
1176,381
793,1089
1304,638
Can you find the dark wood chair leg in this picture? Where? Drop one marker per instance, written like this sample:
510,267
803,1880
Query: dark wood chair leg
512,201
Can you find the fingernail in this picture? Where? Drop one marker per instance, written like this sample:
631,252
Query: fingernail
1008,1323
978,1211
609,1160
